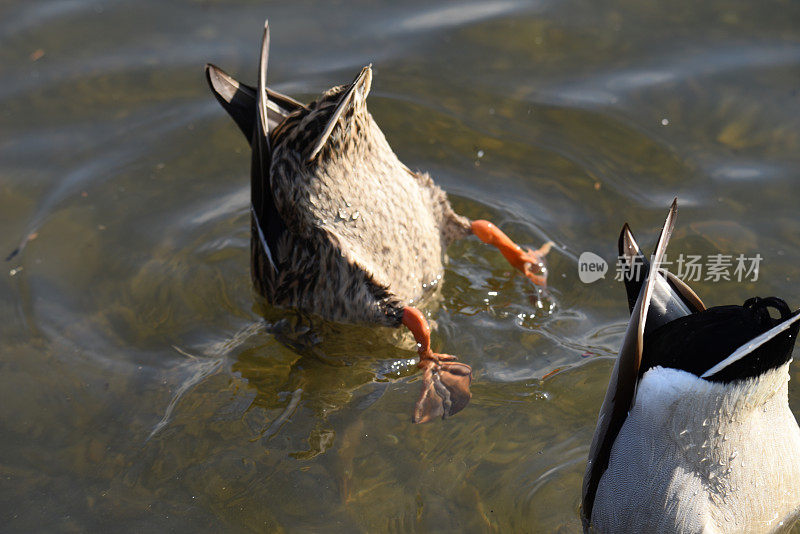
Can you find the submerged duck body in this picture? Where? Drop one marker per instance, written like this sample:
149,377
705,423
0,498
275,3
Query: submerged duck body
342,228
381,227
695,433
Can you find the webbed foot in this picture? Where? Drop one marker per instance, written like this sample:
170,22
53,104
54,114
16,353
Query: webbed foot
445,382
529,262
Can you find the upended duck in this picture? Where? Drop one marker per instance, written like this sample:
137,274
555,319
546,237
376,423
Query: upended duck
695,433
342,229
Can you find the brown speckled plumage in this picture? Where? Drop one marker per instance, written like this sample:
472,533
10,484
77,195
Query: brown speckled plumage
341,228
366,234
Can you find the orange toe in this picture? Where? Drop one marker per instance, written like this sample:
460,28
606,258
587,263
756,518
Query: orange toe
534,265
530,262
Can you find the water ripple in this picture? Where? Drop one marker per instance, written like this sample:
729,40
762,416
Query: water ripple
608,88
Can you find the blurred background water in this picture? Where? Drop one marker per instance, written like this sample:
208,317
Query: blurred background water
141,388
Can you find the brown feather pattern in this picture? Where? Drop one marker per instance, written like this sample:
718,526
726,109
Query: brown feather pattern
366,235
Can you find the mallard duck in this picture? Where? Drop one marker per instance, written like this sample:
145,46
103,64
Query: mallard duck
695,433
342,229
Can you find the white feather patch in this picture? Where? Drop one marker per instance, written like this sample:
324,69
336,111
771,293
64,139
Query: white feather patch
262,239
700,456
751,345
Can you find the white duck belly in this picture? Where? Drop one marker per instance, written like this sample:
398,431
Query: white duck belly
698,456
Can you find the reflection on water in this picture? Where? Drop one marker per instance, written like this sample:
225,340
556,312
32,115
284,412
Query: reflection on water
144,386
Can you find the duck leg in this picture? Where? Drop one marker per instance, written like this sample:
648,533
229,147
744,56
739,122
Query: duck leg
530,262
445,382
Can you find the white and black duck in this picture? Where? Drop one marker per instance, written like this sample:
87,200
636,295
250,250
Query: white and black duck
695,433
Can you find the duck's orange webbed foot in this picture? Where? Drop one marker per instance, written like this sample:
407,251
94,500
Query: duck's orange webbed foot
445,382
530,262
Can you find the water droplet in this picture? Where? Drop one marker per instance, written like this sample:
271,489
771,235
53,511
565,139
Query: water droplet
480,153
664,122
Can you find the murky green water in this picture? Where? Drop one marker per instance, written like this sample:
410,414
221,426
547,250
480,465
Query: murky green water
140,388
